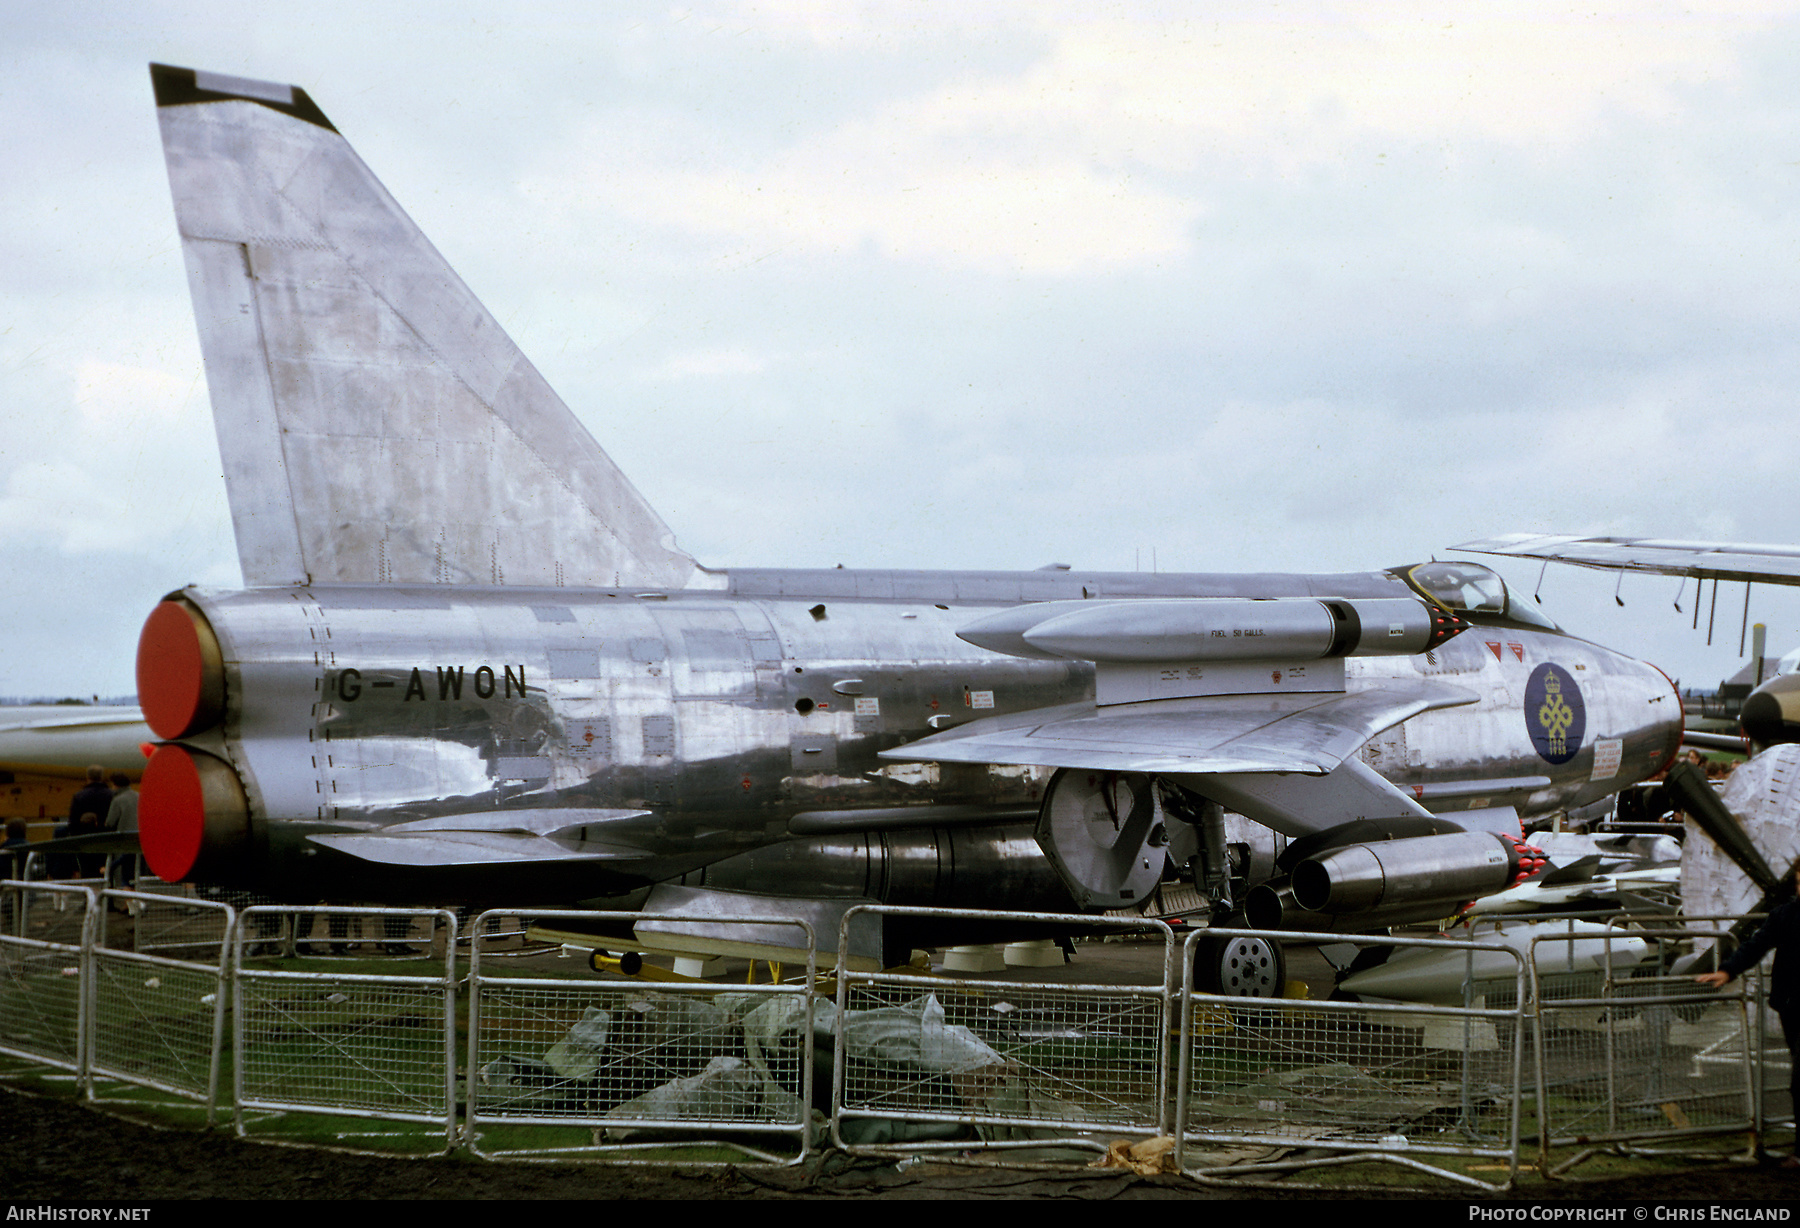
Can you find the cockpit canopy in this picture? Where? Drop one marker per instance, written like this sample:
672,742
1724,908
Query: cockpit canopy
1470,588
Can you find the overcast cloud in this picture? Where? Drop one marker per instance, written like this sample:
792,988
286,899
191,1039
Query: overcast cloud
1296,287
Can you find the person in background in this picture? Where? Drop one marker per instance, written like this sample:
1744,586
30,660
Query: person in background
122,816
92,798
1780,934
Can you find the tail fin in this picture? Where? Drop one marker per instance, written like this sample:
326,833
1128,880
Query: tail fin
376,423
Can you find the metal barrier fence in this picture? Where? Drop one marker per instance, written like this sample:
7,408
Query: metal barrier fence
157,1021
174,919
1627,1055
1771,1059
1618,1054
922,1061
1355,1081
53,922
626,1061
345,1044
45,974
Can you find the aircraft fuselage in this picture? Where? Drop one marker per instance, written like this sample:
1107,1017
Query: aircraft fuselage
699,725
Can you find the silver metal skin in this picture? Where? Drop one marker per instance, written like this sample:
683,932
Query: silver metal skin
1218,630
375,421
1444,869
668,733
1738,561
1420,974
1106,834
471,663
62,740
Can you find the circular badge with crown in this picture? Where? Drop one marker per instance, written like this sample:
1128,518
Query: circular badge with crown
1555,717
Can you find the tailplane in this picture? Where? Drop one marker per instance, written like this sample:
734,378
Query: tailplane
376,423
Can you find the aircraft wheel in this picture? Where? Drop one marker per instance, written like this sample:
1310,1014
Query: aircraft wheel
1240,967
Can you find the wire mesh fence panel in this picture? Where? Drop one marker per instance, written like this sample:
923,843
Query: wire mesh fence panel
629,1061
159,1021
1634,1065
1349,1072
1009,1059
925,1063
1382,1079
50,912
169,919
1624,1053
366,934
42,989
549,1052
156,1023
344,1044
1771,1062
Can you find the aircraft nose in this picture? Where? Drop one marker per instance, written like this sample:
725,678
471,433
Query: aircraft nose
1669,720
1771,713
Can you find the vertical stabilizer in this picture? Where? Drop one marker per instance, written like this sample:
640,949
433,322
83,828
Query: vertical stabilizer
376,423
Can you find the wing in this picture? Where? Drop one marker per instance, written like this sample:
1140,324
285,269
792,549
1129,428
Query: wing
1245,703
54,740
1311,733
1657,556
624,843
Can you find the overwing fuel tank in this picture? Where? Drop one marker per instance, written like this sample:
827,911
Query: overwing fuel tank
1220,629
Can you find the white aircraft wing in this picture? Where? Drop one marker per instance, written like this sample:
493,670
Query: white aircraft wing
1730,561
62,740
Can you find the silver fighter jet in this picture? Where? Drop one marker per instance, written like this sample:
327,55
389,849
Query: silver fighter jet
471,662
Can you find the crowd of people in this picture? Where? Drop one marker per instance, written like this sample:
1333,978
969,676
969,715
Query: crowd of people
103,804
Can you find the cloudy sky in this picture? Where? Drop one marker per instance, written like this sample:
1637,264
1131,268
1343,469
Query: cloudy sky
1290,287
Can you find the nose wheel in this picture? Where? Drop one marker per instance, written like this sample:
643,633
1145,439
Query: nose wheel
1236,966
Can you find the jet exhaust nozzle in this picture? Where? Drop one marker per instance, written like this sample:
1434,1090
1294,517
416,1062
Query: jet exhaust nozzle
1271,906
180,671
193,818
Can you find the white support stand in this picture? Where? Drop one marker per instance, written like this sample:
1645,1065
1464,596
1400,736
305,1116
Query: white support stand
1039,953
974,959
